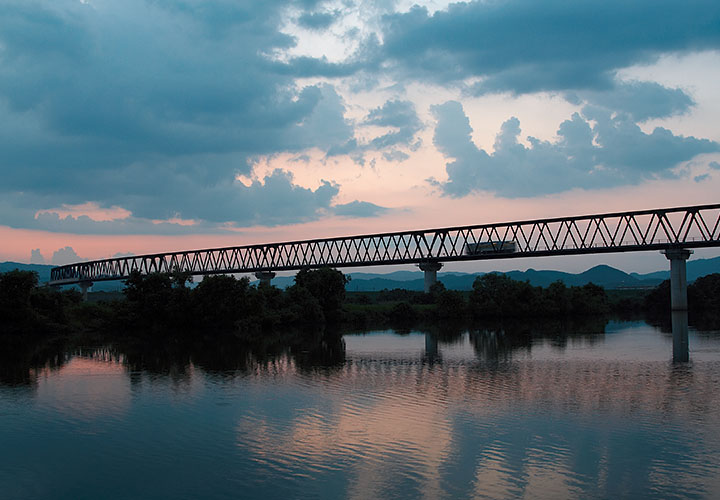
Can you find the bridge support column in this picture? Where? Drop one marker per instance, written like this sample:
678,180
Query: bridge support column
84,285
265,277
678,277
430,269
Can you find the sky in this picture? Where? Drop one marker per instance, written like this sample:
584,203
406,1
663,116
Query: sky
158,125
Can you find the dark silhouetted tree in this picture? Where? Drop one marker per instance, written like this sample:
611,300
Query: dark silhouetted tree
221,301
496,294
704,294
658,300
158,301
588,299
450,304
327,285
16,288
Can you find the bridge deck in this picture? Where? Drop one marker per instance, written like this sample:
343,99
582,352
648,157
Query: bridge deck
658,229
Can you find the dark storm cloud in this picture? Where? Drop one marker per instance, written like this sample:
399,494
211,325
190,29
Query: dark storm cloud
525,46
156,106
640,100
274,201
19,211
610,151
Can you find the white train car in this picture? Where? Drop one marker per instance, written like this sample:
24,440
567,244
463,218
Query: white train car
490,247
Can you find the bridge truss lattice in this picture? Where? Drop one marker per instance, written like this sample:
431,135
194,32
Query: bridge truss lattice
658,229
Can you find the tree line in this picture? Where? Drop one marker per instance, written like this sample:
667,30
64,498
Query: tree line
493,296
166,303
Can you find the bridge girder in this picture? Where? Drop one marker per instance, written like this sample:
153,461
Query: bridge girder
658,229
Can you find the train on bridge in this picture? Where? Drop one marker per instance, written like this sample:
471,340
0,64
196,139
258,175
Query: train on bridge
675,231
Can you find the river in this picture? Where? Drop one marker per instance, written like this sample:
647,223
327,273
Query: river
598,410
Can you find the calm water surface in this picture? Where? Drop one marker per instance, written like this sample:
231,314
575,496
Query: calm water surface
451,414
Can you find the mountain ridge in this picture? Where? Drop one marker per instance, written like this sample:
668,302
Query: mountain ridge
602,274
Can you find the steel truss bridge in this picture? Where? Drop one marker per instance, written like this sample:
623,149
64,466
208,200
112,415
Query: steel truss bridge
659,229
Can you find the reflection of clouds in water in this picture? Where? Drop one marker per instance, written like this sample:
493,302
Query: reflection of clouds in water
522,427
395,434
544,473
86,389
493,415
380,435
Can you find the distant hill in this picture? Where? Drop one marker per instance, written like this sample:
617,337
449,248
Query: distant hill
695,269
43,270
603,275
395,276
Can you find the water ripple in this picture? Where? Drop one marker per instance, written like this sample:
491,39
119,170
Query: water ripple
395,424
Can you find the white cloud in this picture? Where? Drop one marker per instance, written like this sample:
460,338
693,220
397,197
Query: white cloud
64,256
36,257
594,149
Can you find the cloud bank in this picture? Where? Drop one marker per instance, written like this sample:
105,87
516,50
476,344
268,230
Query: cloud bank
524,46
595,149
159,106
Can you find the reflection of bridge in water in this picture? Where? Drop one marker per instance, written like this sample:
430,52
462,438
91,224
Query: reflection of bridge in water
672,230
476,418
499,370
497,344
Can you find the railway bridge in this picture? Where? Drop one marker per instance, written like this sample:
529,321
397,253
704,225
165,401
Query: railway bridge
673,231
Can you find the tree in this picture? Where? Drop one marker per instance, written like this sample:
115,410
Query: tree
496,294
588,299
16,288
704,294
402,314
658,300
159,301
302,307
220,301
556,300
327,285
450,304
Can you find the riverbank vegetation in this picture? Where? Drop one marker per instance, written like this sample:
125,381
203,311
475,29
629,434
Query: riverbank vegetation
166,304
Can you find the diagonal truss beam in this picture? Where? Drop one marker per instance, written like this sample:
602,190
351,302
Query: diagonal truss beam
686,227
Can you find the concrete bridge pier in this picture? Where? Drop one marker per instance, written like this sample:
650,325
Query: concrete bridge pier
430,268
265,277
678,277
84,285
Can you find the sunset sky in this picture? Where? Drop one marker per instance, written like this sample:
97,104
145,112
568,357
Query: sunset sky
138,126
